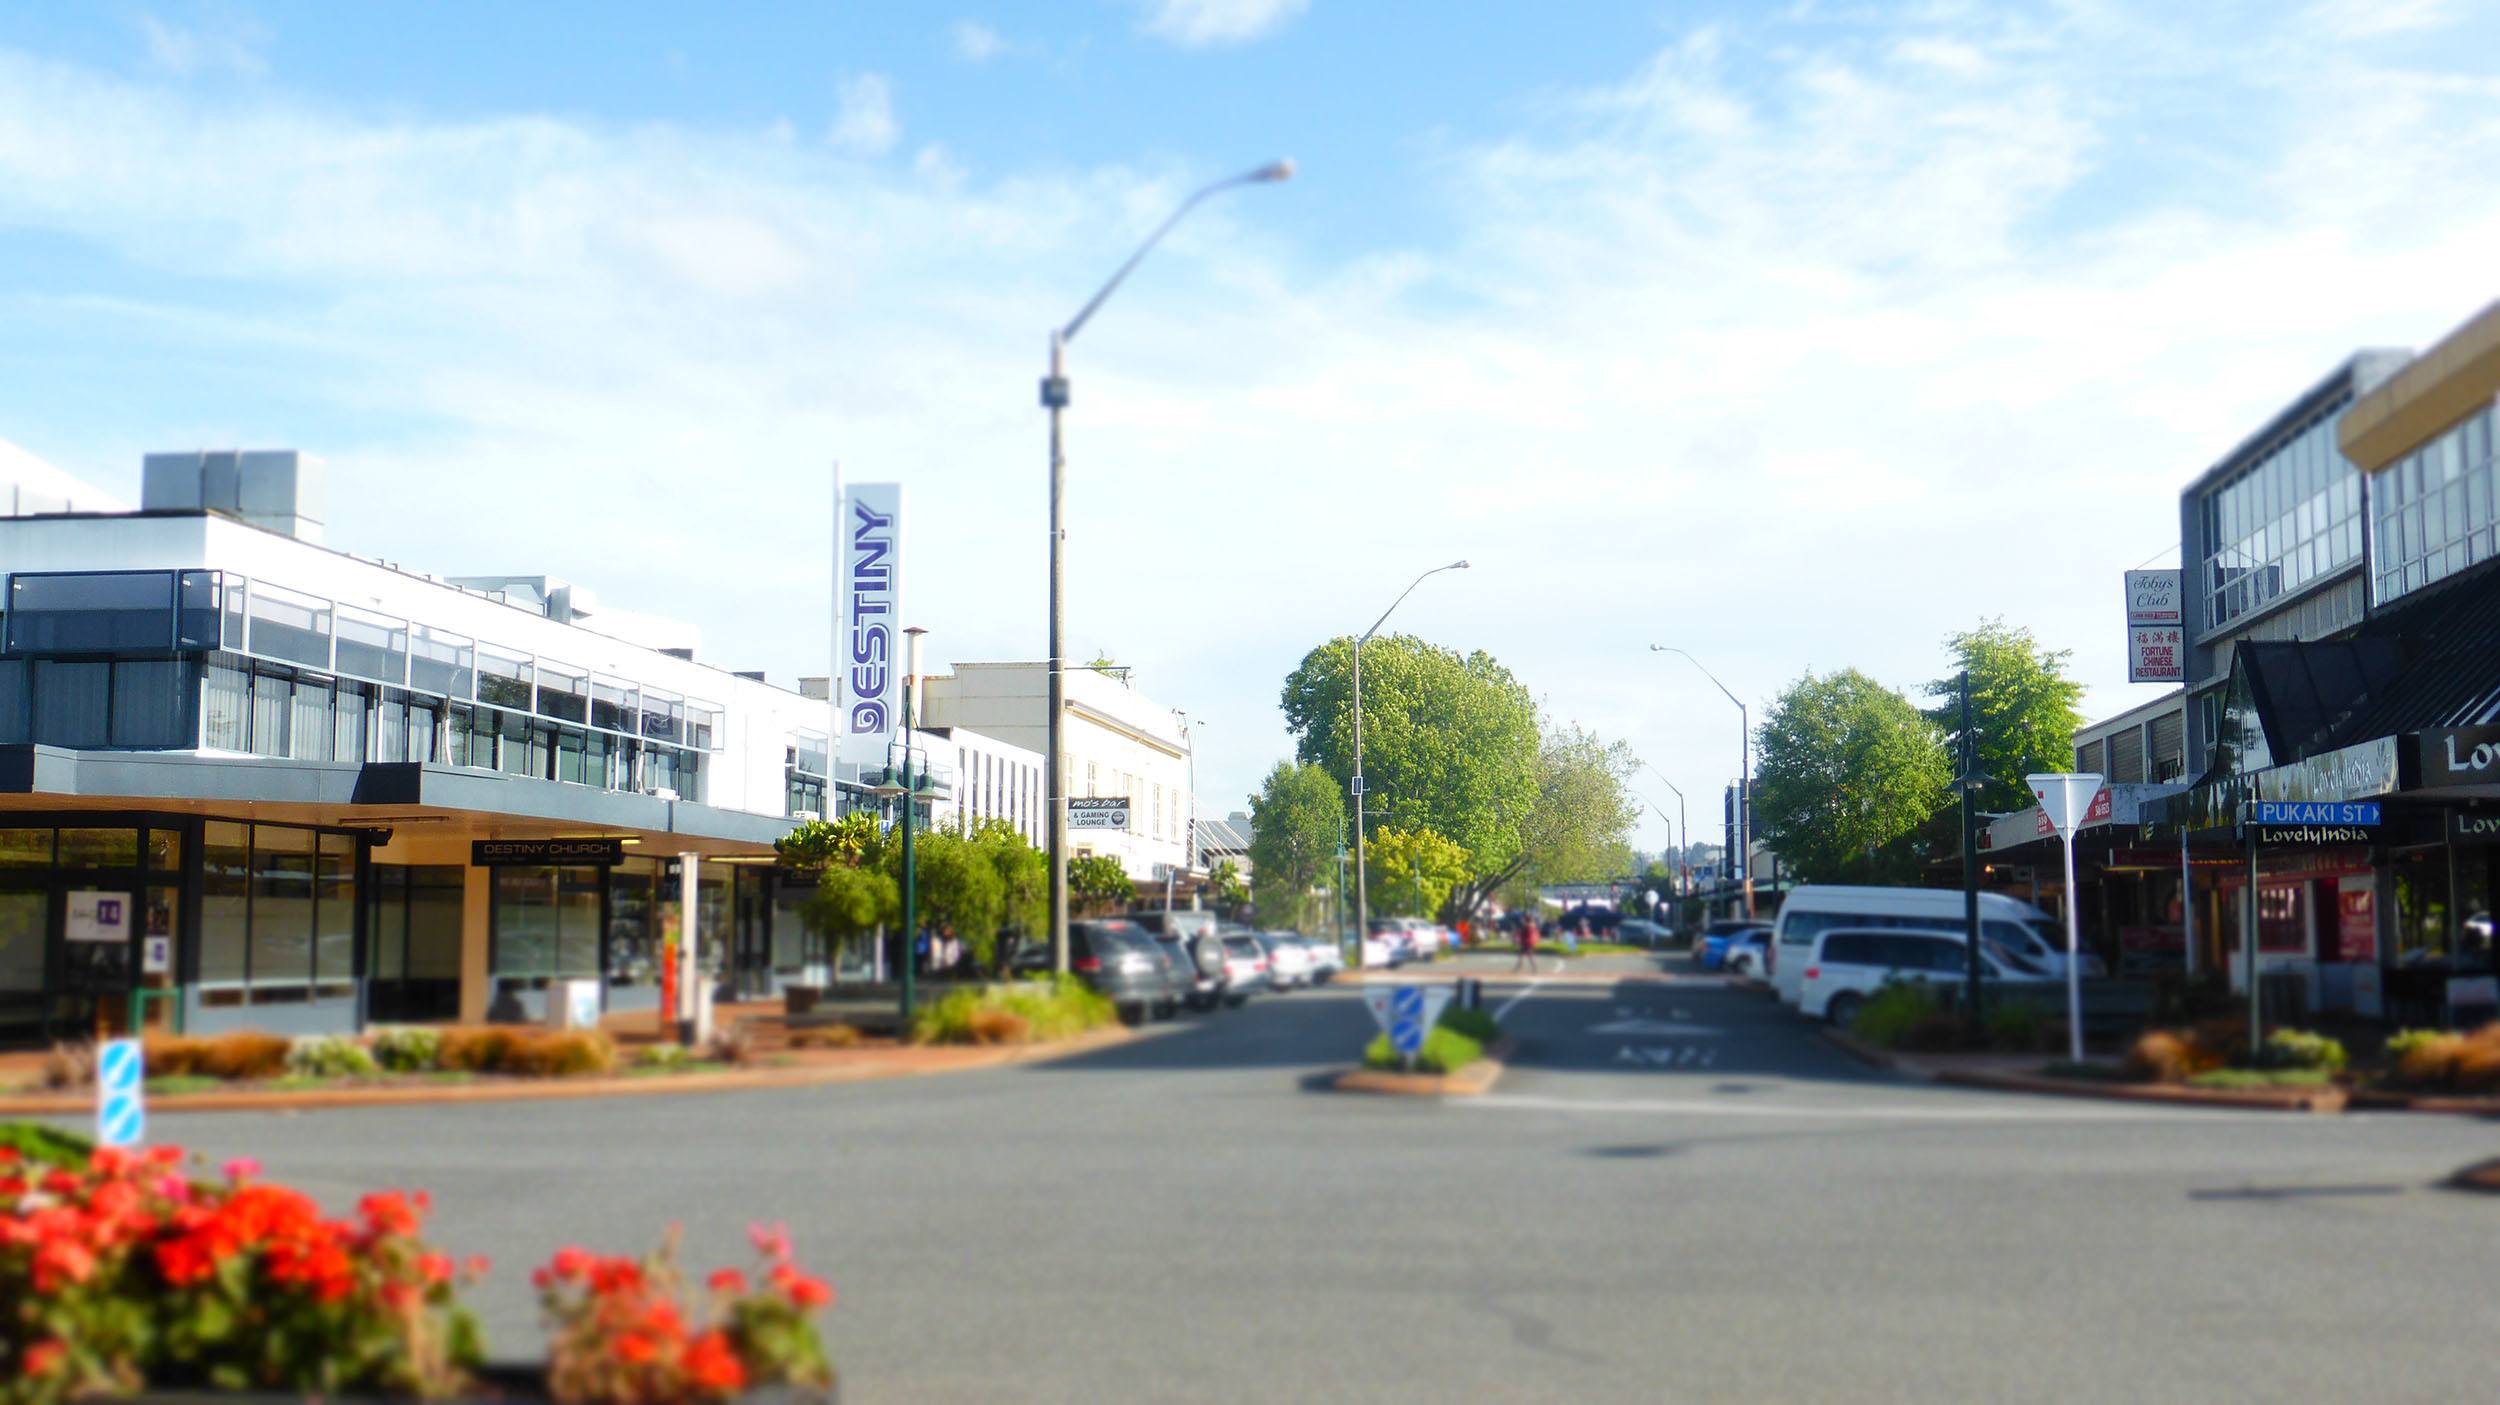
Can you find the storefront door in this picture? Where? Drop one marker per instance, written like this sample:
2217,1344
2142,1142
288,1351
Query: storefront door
25,922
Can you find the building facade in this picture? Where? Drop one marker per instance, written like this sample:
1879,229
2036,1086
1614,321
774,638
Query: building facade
1118,743
246,780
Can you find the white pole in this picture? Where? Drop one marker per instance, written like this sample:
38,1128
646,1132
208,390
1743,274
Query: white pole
2187,900
691,1007
2074,962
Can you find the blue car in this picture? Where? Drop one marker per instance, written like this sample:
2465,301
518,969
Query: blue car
1720,939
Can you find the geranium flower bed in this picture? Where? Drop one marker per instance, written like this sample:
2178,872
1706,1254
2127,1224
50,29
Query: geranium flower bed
120,1273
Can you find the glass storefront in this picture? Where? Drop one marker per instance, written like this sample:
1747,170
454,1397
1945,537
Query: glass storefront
413,966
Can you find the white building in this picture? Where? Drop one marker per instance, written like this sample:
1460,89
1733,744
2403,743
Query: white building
1119,743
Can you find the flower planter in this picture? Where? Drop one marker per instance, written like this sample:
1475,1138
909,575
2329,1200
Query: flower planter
502,1384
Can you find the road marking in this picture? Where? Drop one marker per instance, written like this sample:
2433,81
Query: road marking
1530,1102
1656,1029
1668,1056
1507,1006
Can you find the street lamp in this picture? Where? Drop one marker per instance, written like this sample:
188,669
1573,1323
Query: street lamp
1744,772
1055,399
913,781
1362,894
1684,832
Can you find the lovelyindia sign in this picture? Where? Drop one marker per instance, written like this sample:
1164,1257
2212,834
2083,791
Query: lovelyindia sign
2311,822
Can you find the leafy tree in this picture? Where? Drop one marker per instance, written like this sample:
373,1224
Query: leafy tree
1023,877
853,839
851,901
1100,881
1848,770
1579,831
1225,886
958,887
1296,820
1414,871
2024,709
1449,743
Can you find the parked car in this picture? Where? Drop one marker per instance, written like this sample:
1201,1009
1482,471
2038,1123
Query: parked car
1118,961
1290,963
1327,957
1716,938
1245,968
1749,953
1640,931
1193,949
1848,964
2006,923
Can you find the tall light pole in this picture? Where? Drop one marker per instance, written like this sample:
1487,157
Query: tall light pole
1744,771
1055,400
1362,893
1684,832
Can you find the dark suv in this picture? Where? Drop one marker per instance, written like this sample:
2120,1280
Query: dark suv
1118,961
1192,948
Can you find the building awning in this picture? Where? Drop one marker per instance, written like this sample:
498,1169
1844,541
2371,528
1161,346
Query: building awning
385,795
2116,808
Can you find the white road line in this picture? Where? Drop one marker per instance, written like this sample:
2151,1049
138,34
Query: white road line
1711,1107
1503,1013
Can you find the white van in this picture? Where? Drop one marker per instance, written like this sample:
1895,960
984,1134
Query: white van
1849,964
2016,926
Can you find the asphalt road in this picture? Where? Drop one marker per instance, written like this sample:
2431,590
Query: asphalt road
1677,1193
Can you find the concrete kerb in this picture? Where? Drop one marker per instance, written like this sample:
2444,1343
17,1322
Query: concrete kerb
872,1066
1477,1077
2003,1080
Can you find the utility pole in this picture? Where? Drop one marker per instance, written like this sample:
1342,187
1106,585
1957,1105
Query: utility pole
1968,785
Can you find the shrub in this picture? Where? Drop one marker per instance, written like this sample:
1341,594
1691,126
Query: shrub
44,1145
317,1056
731,1044
622,1330
171,1055
1445,1051
2478,1063
408,1049
242,1054
1054,1007
121,1276
992,1025
1903,1015
1478,1025
832,1036
484,1050
2168,1056
69,1066
664,1056
2299,1048
562,1054
2244,1079
2018,1026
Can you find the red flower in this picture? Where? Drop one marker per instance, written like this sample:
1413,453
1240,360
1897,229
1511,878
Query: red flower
45,1357
569,1263
241,1169
387,1212
635,1349
62,1260
728,1280
805,1292
713,1365
772,1241
434,1268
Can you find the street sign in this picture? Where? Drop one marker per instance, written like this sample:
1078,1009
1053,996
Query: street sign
2065,798
2311,822
121,1115
1407,1013
1098,812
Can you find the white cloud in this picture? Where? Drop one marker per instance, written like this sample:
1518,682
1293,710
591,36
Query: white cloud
228,47
1198,24
1786,351
976,42
865,123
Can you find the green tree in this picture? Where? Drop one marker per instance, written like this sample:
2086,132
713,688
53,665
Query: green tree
1449,742
958,887
1295,822
851,902
1100,881
1580,829
1023,878
853,839
2023,708
1224,885
1848,770
1414,871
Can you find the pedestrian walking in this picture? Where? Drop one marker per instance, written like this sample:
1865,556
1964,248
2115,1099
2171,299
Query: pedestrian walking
1527,947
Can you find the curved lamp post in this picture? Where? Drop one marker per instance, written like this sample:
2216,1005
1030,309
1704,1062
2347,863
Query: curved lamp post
1362,889
1744,771
1055,399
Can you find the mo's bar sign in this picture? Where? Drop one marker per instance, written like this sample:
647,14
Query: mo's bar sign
2310,821
507,853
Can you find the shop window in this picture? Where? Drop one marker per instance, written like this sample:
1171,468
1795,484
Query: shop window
226,903
546,923
279,957
633,957
2421,909
25,848
334,915
165,850
114,612
290,626
99,848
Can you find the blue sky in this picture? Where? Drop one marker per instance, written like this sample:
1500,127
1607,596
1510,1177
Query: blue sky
1799,336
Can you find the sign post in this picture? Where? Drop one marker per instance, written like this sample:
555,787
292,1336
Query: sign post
2301,822
1407,1013
2066,798
121,1114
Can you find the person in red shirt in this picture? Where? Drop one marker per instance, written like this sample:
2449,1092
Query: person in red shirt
1527,947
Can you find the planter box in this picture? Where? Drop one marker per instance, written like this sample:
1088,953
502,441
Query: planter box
498,1385
800,999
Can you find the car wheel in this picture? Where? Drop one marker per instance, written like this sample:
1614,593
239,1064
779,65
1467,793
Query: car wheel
1842,1009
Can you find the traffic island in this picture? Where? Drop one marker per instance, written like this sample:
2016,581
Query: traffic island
1478,1076
2482,1176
